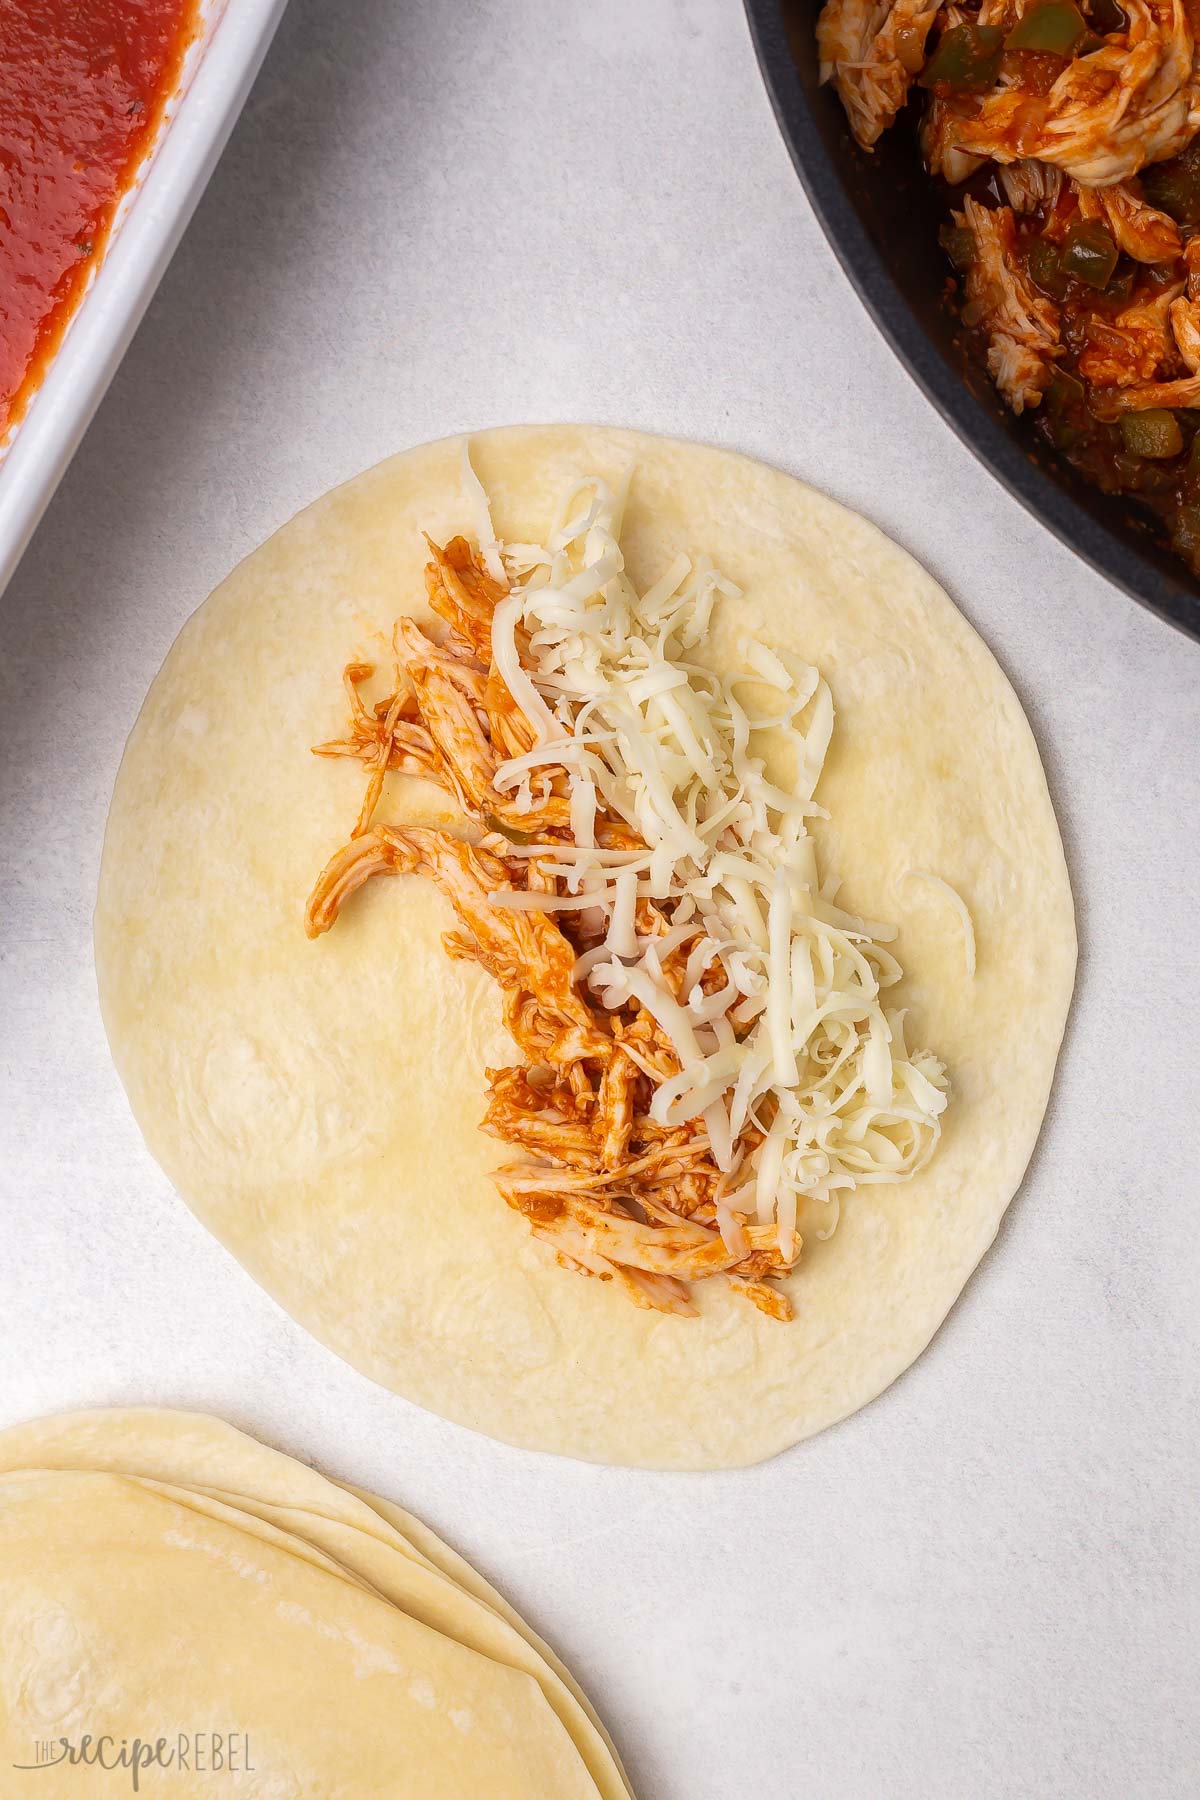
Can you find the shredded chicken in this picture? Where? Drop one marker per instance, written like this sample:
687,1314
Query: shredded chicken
615,1194
871,50
686,1251
1137,228
1137,346
1028,185
1135,100
939,145
1021,325
384,737
461,591
1191,264
524,951
1185,327
1110,403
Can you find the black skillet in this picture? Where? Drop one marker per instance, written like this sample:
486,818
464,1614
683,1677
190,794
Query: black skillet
881,215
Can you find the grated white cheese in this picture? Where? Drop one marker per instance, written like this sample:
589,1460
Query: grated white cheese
485,531
621,937
795,1035
961,909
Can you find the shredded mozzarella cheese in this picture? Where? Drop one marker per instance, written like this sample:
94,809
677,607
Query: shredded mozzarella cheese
961,910
793,1035
485,532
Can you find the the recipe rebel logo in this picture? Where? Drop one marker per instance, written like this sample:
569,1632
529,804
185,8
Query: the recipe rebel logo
190,1752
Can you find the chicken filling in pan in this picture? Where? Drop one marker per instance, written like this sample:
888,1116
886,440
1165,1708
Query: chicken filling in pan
704,1051
1063,133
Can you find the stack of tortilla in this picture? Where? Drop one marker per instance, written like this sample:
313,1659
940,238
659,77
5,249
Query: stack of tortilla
165,1577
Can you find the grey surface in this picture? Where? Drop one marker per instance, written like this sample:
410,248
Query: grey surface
437,216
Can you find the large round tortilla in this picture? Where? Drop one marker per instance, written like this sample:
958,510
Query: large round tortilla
162,1573
316,1103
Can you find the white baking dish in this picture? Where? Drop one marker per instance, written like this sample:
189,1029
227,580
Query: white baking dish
217,74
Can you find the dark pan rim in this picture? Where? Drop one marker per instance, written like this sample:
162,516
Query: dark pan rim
867,270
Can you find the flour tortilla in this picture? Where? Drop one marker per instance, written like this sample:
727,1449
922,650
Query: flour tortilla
316,1103
301,1603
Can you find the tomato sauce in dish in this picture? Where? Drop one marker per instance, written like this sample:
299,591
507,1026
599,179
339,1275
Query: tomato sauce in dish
83,88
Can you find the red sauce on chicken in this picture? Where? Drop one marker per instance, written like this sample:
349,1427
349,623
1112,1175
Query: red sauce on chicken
1064,136
83,85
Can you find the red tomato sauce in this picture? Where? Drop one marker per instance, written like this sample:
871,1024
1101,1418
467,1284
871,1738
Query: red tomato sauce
83,85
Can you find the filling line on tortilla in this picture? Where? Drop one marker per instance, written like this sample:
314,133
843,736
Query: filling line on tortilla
704,1037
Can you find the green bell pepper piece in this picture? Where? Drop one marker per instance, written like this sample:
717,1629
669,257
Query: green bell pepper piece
1054,28
967,59
1089,254
1154,434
